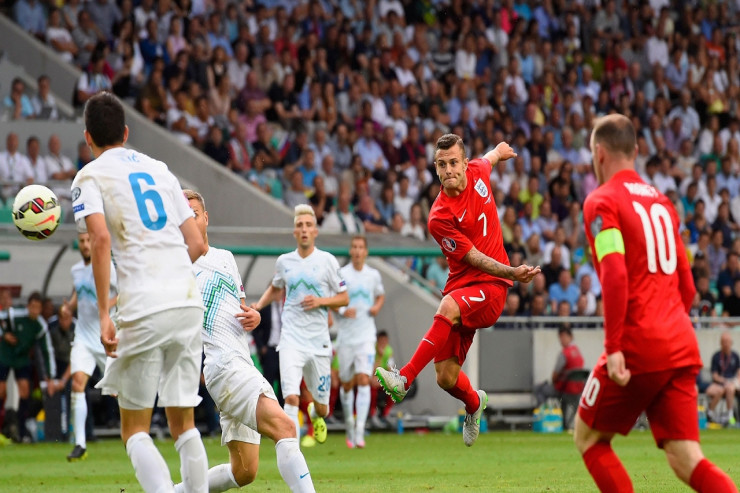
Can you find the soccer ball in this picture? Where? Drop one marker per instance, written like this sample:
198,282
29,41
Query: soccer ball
36,212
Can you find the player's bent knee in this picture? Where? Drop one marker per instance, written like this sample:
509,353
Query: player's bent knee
448,307
244,476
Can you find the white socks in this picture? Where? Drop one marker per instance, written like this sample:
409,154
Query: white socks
292,412
79,410
220,478
149,465
348,400
193,461
363,407
292,465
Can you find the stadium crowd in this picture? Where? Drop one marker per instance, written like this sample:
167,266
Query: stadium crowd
339,103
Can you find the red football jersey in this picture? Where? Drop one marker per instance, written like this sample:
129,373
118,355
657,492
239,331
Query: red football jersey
470,219
657,332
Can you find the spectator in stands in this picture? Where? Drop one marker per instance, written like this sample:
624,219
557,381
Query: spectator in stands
725,374
84,155
438,271
176,42
215,147
731,303
296,193
38,163
93,80
44,103
416,226
59,168
59,38
371,219
706,299
17,104
152,102
6,299
15,169
30,15
564,290
86,36
341,219
105,14
151,48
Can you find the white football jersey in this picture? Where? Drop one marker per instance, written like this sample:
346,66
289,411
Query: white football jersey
318,275
144,207
363,287
220,285
87,330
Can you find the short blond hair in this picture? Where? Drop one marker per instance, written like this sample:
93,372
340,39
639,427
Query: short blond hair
193,195
302,210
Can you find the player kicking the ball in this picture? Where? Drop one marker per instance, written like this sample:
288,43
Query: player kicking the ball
651,355
312,284
246,400
464,221
356,335
131,204
87,350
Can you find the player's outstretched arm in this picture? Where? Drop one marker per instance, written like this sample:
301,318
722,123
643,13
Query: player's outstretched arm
481,261
502,152
193,239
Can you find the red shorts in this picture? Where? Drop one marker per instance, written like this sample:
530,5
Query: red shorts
668,398
480,306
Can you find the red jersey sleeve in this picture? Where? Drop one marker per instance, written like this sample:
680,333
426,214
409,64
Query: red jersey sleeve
454,244
607,246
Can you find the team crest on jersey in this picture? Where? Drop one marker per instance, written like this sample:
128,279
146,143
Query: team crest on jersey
76,193
596,226
481,188
449,244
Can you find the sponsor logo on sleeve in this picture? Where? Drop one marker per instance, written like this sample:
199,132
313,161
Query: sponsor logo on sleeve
596,226
449,244
78,208
76,193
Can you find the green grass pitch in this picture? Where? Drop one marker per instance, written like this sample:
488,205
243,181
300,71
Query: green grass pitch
499,461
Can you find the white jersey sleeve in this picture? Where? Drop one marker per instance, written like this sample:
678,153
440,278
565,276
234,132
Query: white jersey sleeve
143,207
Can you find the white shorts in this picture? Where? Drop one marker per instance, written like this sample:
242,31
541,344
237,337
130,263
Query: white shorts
236,386
160,353
85,359
354,359
316,370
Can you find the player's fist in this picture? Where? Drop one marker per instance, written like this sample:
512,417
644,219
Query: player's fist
525,273
617,368
108,336
504,151
350,313
249,318
310,302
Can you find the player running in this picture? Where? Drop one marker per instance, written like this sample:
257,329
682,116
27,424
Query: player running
651,355
132,204
312,284
464,221
356,338
87,350
246,400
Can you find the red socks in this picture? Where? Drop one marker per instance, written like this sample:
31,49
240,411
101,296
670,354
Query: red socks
607,470
464,391
432,342
707,477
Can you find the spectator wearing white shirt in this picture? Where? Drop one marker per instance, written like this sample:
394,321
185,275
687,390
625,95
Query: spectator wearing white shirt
405,71
403,200
59,38
320,147
656,47
15,169
38,164
514,78
711,199
688,115
466,59
61,169
44,103
238,68
371,155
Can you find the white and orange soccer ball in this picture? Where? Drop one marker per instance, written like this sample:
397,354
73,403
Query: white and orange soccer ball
36,212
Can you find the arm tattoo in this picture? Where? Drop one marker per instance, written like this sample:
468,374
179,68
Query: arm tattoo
488,265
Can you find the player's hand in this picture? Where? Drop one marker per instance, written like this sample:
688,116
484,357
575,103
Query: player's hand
373,311
108,336
617,369
249,318
310,302
525,273
10,338
350,313
50,387
504,151
254,306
